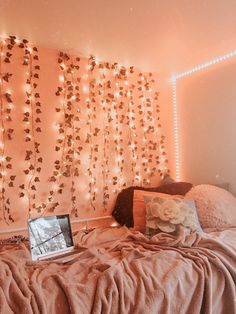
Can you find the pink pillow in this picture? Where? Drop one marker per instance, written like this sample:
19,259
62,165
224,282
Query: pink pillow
139,207
216,207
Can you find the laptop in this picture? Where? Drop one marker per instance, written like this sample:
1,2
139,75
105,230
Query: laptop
51,238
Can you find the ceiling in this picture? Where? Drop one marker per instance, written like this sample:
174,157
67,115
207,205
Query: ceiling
164,36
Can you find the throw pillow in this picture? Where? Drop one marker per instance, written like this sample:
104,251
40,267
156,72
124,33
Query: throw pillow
216,207
139,207
123,209
170,215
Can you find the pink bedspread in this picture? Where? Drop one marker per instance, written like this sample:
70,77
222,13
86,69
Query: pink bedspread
119,271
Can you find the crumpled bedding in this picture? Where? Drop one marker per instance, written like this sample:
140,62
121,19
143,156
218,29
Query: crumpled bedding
117,270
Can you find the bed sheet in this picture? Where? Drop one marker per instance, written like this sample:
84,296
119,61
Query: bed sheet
117,270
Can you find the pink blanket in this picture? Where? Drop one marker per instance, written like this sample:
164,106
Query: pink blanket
119,271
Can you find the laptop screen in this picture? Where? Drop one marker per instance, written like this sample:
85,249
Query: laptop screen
49,235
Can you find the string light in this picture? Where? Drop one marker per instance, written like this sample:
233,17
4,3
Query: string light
61,78
5,109
85,89
108,103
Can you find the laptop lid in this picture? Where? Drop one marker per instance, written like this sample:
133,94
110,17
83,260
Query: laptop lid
50,236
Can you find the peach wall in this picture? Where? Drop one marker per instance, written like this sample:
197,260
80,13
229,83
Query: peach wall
116,143
207,111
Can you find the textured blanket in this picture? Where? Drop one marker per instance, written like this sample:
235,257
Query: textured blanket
119,271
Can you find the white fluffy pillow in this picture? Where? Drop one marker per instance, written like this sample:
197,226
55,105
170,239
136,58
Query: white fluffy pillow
216,207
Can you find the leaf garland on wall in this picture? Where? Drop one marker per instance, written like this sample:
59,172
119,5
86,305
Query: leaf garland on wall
107,84
150,124
121,135
69,141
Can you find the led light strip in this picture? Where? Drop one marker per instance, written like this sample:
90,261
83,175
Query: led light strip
176,130
175,106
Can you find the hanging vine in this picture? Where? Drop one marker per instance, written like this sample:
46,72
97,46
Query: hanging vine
130,121
111,128
69,143
32,122
103,87
6,104
92,132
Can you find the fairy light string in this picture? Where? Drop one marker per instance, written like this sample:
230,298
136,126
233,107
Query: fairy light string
117,176
5,202
149,127
6,103
60,147
91,112
32,121
76,144
106,118
130,121
100,130
69,130
73,97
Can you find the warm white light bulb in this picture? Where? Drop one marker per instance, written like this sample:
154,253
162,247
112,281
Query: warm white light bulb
61,78
85,88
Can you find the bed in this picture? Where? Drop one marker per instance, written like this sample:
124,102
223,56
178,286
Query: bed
122,270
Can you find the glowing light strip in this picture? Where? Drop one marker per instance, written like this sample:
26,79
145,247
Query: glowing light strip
176,131
175,107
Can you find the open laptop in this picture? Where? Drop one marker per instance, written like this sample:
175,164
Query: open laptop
51,238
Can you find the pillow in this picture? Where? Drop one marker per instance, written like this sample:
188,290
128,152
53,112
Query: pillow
123,209
139,207
167,180
216,207
170,215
